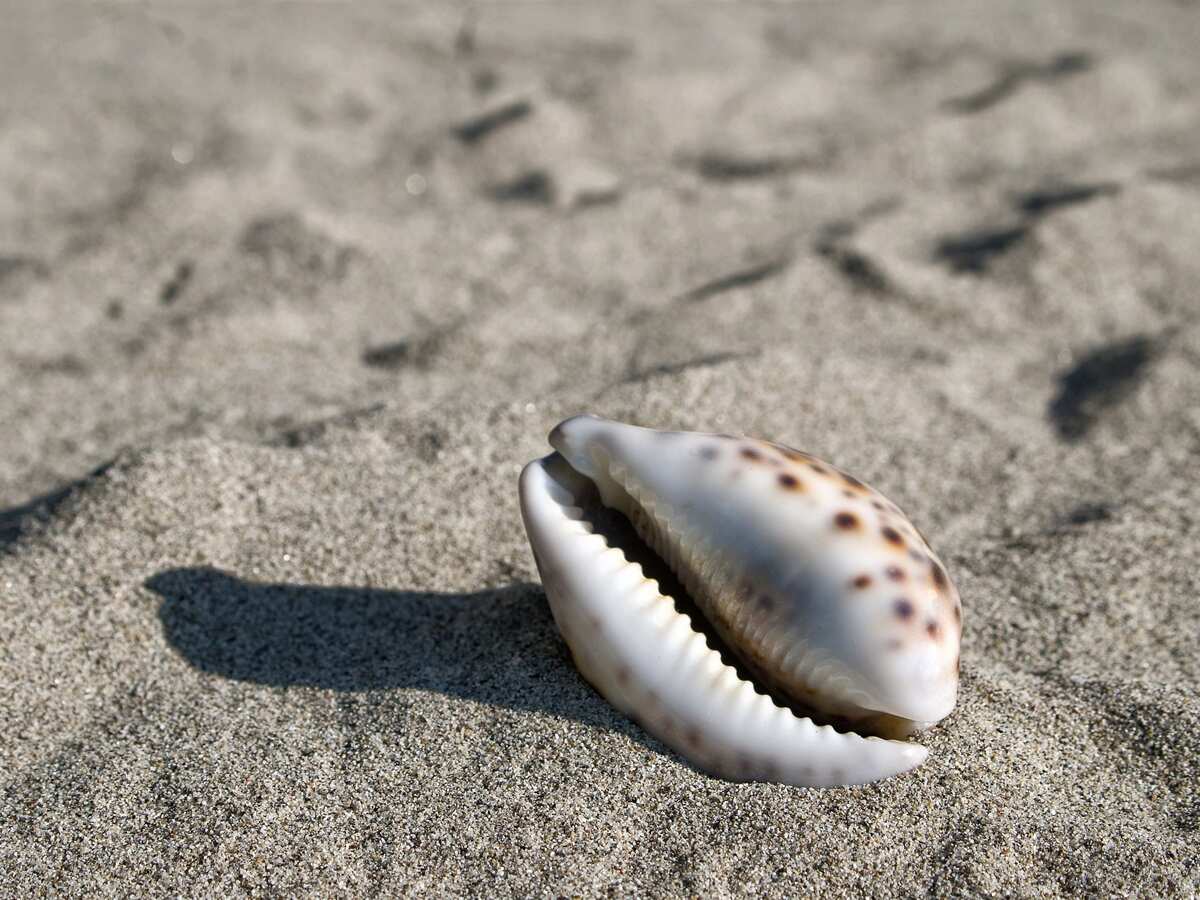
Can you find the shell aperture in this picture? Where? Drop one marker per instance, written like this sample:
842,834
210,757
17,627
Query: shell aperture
817,585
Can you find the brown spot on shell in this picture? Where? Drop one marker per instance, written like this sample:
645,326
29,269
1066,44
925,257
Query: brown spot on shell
917,556
939,576
790,482
853,482
903,607
957,614
692,736
895,573
862,582
933,629
751,454
818,468
879,506
765,603
892,536
846,521
848,494
623,675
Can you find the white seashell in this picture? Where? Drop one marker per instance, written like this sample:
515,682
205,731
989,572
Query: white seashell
819,586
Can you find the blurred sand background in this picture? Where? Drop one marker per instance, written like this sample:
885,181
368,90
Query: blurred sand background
289,292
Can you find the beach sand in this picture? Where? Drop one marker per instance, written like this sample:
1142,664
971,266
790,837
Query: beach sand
289,294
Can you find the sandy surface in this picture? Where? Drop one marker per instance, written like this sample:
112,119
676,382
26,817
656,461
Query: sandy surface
304,286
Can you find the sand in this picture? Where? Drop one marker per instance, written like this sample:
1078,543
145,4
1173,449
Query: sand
289,293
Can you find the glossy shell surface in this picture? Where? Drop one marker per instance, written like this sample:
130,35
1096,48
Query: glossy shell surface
820,588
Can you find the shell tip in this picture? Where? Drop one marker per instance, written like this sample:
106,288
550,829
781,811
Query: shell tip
560,435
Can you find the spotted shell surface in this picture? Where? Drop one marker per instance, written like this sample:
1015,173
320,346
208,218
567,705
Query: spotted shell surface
820,586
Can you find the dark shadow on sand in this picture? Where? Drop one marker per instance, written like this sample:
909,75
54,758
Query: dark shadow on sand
497,646
17,520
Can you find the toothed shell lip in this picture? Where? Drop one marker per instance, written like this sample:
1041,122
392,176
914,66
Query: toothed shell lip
620,628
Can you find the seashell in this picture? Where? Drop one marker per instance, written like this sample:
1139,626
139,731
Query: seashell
820,588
